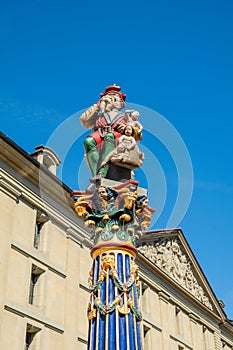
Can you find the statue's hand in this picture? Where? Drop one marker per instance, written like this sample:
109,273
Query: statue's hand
120,128
106,99
106,103
129,110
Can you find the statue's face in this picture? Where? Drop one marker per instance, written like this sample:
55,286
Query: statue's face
117,101
128,130
135,115
146,201
113,101
103,193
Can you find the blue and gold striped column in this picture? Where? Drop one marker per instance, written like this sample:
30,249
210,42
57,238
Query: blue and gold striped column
113,309
117,217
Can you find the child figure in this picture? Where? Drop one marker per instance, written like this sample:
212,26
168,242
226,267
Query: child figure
132,119
127,153
127,140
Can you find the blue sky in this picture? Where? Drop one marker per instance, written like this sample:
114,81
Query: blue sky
174,57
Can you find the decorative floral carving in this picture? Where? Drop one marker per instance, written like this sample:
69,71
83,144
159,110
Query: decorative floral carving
168,255
118,211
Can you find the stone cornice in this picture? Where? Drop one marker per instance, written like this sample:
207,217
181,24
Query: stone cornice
37,256
18,191
22,178
33,314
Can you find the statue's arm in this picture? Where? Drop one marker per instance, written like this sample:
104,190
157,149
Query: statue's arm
88,118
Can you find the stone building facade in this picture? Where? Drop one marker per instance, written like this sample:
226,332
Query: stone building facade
45,262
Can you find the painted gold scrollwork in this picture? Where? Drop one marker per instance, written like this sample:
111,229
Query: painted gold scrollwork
125,217
123,310
81,206
90,281
129,197
134,267
92,314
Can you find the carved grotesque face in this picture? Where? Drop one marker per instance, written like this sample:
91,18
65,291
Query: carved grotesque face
128,130
103,193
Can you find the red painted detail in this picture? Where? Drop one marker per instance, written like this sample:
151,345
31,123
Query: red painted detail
127,183
115,89
78,193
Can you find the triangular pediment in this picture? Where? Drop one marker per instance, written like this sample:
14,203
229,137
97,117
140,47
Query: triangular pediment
171,253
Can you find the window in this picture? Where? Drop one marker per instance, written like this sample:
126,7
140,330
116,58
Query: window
146,336
38,228
41,219
28,340
178,315
225,345
35,275
205,337
31,332
145,297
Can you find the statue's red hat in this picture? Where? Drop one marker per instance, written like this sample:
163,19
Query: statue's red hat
115,89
